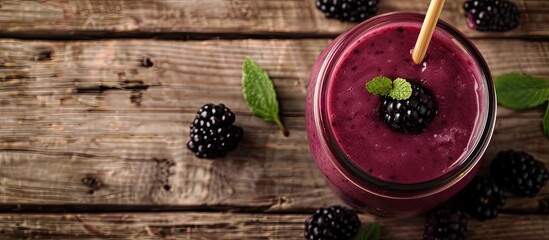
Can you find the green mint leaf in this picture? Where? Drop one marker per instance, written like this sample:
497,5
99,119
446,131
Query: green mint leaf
546,123
520,91
399,89
370,232
259,93
380,85
402,89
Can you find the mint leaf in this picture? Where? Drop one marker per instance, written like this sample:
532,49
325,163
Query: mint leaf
402,89
370,232
520,91
546,123
399,89
379,85
259,93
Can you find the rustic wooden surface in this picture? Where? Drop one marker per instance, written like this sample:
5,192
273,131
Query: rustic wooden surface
168,18
82,118
101,125
234,226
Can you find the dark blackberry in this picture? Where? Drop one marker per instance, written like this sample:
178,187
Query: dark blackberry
334,223
411,115
483,198
519,173
212,132
445,224
491,15
348,10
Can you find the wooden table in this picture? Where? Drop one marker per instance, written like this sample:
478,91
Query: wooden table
96,98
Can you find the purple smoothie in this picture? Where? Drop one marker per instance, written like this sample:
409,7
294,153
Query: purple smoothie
354,118
368,164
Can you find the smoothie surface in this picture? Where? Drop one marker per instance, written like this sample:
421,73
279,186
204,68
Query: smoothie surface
447,71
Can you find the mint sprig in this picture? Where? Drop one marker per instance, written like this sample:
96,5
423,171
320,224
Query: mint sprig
399,89
370,232
259,93
521,91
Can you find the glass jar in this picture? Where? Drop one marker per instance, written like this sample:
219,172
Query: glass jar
362,190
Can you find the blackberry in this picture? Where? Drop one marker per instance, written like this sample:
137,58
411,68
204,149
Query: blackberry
212,132
411,115
483,198
519,173
491,15
334,223
445,224
348,10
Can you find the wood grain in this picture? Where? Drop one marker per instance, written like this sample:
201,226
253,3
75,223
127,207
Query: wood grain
165,18
193,225
106,122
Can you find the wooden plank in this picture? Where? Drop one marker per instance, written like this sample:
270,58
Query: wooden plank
106,122
77,19
130,147
193,225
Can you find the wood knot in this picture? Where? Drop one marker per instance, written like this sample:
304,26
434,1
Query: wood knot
136,88
43,54
92,182
136,97
165,171
147,62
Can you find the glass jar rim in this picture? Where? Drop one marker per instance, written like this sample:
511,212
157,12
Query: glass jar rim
399,189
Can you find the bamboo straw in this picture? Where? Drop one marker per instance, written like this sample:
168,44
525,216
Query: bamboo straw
429,24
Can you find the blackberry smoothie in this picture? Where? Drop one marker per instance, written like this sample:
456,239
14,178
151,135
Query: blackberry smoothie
354,117
374,167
